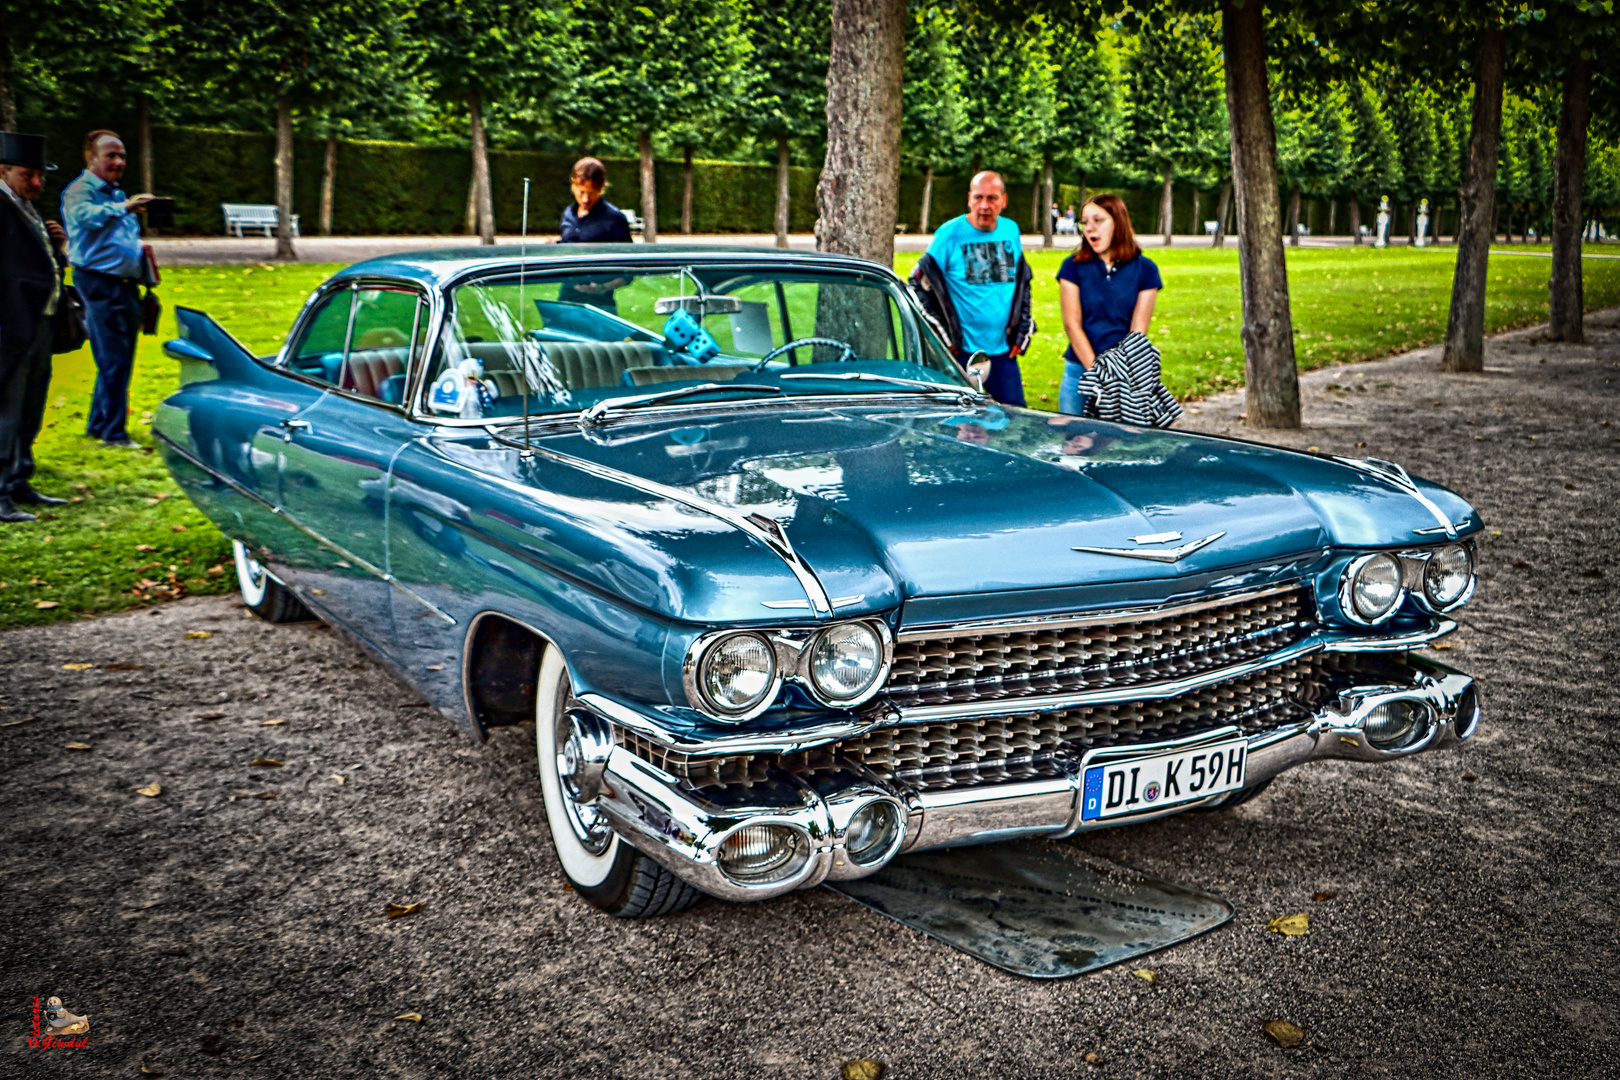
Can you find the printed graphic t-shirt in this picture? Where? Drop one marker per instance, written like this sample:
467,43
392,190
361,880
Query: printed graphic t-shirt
981,269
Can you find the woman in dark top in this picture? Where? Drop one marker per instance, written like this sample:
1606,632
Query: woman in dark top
1106,290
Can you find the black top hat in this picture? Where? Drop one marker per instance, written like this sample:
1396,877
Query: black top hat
25,150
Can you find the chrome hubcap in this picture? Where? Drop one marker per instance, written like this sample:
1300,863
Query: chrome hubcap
586,821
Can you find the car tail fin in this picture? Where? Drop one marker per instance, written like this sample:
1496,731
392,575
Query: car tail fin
206,350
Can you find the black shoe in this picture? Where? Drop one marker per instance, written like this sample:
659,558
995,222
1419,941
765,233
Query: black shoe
27,494
10,513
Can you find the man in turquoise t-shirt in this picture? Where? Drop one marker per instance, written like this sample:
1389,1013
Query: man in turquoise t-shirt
978,259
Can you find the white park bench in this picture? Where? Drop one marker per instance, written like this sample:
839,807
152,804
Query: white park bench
632,219
239,216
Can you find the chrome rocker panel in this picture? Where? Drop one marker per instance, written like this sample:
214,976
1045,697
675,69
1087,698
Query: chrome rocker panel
681,829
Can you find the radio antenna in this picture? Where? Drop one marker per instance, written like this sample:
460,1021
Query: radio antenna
523,309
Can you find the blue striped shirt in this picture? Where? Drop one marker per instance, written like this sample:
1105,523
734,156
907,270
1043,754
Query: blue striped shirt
102,235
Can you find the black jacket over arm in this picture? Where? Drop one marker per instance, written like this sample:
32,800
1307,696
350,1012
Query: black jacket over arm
27,279
932,290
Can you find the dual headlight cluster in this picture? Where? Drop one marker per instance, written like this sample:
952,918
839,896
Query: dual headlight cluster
736,675
1374,585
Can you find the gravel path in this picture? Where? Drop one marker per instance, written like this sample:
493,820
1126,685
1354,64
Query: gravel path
233,925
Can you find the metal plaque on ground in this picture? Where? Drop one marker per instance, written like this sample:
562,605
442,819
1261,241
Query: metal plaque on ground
1038,909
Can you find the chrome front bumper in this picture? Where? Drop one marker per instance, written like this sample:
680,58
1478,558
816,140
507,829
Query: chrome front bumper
683,828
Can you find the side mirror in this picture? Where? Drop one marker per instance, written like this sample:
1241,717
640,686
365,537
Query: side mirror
978,370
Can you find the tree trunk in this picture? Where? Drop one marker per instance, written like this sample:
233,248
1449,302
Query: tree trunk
859,194
1167,205
1293,217
686,190
328,182
1047,224
782,191
284,178
1333,216
1219,239
974,165
649,191
1567,315
1272,392
143,135
928,199
484,199
1355,220
1082,195
1035,201
1465,325
1411,223
1197,226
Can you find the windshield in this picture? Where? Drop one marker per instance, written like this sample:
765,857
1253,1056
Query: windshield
569,341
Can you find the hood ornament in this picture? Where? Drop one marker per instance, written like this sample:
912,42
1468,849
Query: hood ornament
1164,555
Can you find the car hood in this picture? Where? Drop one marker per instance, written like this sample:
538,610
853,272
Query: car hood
891,505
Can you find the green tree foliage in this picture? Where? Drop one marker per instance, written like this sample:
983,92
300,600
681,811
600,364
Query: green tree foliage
1373,166
1085,65
781,97
1012,90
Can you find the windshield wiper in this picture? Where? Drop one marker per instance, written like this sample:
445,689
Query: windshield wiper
867,376
595,414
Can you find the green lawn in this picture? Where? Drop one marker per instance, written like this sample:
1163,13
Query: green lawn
130,539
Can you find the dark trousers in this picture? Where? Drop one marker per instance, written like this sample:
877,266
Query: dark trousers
112,310
23,390
1005,382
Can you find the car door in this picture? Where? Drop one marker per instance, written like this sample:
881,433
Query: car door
334,456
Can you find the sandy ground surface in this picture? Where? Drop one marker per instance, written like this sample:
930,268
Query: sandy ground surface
216,931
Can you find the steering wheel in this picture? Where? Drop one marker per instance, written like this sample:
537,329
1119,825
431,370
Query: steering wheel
849,351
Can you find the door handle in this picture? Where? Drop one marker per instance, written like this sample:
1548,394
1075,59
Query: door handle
290,425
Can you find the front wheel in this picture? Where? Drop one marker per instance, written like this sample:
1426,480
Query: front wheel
607,872
266,597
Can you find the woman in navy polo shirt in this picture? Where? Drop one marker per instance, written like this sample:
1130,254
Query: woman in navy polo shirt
1107,289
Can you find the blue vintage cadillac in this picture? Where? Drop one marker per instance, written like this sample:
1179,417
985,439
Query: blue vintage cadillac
784,595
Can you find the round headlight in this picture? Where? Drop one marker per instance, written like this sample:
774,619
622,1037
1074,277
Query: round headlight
761,853
1375,586
1447,576
845,661
738,672
1394,724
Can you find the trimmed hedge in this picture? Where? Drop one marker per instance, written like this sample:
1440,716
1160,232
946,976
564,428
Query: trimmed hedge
404,188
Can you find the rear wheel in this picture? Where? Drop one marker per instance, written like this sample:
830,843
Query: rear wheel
607,872
266,597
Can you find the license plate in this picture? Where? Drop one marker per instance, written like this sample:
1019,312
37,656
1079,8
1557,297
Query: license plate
1136,785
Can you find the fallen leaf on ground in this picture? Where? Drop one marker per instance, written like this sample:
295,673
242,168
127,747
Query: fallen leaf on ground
77,667
1496,532
862,1069
1469,777
266,763
211,716
1094,1059
216,569
1441,645
1149,977
144,547
1323,897
198,635
149,1071
337,777
1520,564
413,1017
211,1045
272,723
398,911
1290,925
178,528
151,791
24,720
46,605
265,795
77,746
1592,573
122,667
1283,1033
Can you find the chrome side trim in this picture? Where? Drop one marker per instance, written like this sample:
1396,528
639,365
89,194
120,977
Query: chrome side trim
883,715
757,526
347,555
1402,479
1064,622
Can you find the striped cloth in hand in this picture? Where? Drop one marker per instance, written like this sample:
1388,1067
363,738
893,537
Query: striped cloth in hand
1127,386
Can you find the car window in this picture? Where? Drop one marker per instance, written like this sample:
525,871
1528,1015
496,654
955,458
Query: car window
553,342
363,339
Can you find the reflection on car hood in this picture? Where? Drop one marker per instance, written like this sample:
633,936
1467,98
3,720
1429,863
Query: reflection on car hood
898,503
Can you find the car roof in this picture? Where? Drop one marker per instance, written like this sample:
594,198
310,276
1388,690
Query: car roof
440,266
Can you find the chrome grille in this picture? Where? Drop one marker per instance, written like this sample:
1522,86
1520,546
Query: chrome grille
963,753
956,668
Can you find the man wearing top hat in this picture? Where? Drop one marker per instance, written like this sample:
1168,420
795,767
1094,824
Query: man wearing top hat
104,246
32,254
